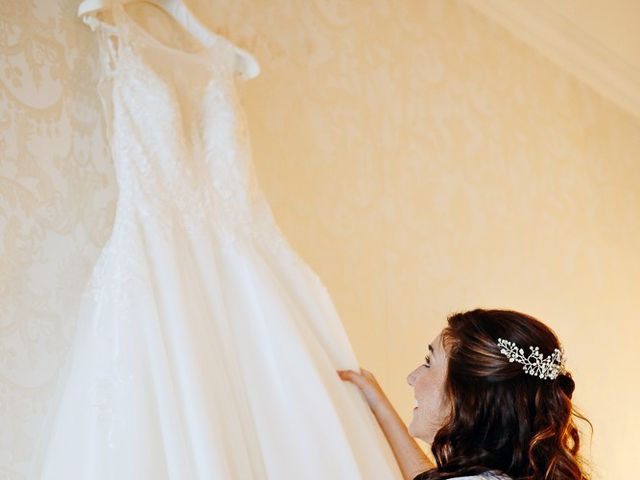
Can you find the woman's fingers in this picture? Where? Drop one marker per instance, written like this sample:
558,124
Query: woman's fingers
348,375
362,379
351,376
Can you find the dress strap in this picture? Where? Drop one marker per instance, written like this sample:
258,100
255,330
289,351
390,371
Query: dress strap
110,36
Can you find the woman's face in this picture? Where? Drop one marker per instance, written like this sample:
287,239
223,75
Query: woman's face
428,381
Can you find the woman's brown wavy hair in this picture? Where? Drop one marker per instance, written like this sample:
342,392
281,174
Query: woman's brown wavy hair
501,418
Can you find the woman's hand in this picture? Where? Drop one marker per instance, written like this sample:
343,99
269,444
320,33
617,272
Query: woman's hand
368,385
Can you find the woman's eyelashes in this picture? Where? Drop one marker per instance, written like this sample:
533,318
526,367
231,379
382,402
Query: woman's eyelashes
427,361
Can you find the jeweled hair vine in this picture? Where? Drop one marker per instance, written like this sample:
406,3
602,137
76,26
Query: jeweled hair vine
535,363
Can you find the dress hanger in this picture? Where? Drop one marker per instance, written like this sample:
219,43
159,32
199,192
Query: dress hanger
248,65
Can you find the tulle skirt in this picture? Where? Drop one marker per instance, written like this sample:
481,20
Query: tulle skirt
196,357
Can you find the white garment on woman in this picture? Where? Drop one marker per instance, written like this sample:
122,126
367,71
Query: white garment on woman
206,348
483,476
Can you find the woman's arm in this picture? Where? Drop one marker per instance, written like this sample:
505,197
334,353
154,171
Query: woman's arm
409,455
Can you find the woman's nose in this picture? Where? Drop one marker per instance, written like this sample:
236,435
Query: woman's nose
411,378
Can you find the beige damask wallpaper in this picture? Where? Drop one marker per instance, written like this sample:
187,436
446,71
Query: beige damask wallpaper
419,157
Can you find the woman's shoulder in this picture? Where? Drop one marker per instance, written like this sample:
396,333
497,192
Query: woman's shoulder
484,476
489,475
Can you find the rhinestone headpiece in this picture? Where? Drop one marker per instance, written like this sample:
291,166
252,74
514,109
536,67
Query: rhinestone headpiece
535,363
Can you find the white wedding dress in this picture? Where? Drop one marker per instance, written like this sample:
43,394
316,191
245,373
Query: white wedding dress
205,347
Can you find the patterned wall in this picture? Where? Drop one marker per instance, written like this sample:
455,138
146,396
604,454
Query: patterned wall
419,157
56,205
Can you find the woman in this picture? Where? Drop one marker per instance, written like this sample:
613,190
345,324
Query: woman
493,401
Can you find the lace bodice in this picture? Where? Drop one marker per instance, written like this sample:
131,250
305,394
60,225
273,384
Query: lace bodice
179,140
